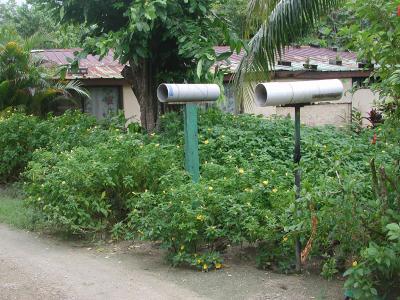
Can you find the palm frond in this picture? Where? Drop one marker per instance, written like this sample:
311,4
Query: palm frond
285,22
73,88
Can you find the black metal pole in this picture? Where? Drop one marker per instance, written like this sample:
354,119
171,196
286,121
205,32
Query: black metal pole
297,176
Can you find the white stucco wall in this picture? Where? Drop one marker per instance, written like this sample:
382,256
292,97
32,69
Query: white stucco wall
131,105
363,101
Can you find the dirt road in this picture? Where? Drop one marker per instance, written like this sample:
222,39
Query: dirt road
34,267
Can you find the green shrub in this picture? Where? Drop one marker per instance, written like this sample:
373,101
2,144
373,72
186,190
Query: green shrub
329,270
377,276
85,189
93,178
20,136
377,272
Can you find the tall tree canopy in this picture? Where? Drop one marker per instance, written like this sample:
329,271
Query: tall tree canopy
375,34
31,22
161,40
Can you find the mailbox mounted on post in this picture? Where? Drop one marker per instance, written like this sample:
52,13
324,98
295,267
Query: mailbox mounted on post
297,94
189,95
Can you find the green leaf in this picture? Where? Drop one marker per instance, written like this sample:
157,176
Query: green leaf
224,56
199,68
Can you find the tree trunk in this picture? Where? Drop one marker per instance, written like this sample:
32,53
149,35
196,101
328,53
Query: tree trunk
145,89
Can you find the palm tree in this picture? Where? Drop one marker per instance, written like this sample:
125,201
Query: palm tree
280,23
24,81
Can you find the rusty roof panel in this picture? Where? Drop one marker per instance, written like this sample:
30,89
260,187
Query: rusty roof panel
107,68
299,55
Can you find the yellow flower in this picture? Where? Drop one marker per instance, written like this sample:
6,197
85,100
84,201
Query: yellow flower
157,145
206,142
153,134
177,146
173,238
208,129
241,171
210,188
182,247
200,217
265,182
205,267
222,136
199,261
285,238
274,190
218,266
63,182
355,263
325,146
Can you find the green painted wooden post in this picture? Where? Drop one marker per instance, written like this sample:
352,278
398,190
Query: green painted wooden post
192,163
297,177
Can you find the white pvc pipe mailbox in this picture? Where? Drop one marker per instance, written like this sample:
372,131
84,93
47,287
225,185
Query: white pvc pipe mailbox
188,92
298,92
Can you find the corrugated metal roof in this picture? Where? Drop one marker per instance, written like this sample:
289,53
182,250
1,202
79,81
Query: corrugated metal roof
298,56
106,68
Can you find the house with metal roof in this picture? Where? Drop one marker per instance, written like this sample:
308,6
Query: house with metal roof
103,78
110,90
311,63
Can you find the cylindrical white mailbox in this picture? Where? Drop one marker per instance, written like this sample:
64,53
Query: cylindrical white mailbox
298,92
184,93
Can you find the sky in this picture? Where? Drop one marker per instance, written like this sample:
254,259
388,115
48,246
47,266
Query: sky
18,1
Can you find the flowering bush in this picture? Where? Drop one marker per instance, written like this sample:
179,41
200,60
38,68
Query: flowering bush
22,134
85,189
90,177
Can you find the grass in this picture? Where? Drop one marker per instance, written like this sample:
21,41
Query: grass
12,209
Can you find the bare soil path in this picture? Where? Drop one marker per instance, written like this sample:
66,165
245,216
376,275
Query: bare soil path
35,267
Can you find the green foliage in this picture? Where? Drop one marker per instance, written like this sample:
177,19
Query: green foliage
377,42
329,270
377,275
32,22
24,81
84,190
21,135
328,30
95,178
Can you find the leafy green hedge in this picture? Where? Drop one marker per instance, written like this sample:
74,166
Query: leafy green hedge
89,177
21,135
